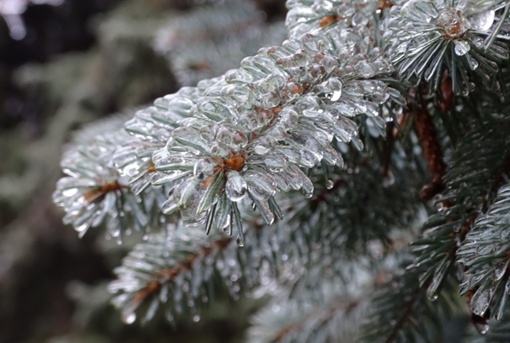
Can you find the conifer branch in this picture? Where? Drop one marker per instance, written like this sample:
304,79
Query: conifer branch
459,208
485,256
95,191
162,270
317,322
402,312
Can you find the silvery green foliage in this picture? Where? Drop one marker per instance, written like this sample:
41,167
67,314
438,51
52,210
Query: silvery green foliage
307,15
484,254
335,315
93,190
253,130
11,11
182,269
227,33
427,37
462,200
308,305
190,65
208,23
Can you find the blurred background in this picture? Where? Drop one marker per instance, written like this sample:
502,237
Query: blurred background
66,63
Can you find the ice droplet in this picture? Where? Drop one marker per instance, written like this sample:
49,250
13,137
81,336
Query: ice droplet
482,21
473,63
480,302
129,318
70,192
500,271
240,242
482,327
461,47
329,184
432,296
260,149
335,96
236,186
388,179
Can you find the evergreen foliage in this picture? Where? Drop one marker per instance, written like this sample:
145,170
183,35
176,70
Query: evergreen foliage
353,177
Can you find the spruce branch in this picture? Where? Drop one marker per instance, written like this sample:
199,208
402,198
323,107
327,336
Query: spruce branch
259,124
469,182
183,269
177,270
446,35
485,257
94,190
423,285
236,153
228,31
302,320
361,214
402,312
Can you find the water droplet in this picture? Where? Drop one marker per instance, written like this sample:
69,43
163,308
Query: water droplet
202,169
196,318
311,113
473,63
500,272
329,184
461,47
482,326
335,96
129,318
70,192
240,242
260,149
433,296
480,301
364,69
482,21
389,179
236,186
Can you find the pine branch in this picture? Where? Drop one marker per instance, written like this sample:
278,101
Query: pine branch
350,211
485,255
446,35
177,270
325,298
228,32
208,23
94,191
423,283
277,113
190,65
469,181
402,312
306,321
